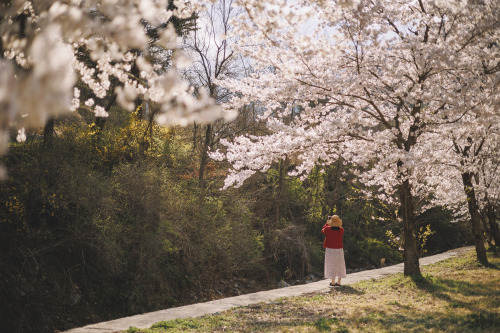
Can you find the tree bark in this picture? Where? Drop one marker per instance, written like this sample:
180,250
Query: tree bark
410,252
495,233
195,133
48,131
281,168
334,187
487,233
477,229
1,49
204,156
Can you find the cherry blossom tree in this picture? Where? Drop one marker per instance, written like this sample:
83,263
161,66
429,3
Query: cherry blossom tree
489,174
40,63
374,82
466,175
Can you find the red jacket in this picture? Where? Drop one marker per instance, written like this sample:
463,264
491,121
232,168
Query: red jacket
333,239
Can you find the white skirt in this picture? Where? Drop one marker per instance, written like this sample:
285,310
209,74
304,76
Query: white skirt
334,263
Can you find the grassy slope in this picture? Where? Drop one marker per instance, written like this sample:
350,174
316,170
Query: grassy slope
455,295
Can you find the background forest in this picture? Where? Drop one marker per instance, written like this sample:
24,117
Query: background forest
97,224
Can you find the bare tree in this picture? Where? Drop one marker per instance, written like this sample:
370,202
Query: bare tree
211,51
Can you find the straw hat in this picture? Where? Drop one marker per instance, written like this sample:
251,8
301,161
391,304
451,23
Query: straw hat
335,221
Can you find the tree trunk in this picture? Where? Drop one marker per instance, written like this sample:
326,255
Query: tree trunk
487,233
410,253
195,133
477,229
1,49
204,156
280,191
48,131
495,233
333,186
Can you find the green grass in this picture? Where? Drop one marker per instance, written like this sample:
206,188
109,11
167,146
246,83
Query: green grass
455,295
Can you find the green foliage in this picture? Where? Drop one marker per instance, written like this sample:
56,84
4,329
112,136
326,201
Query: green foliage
482,320
323,324
287,193
134,330
329,325
316,195
372,250
422,237
181,324
97,214
447,232
288,249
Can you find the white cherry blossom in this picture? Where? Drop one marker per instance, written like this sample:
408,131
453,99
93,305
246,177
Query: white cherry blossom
41,48
386,85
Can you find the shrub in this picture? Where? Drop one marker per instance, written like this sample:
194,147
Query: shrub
370,251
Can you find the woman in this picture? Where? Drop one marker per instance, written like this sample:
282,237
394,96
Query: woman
334,250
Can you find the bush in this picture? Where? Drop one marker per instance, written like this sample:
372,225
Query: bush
287,251
448,234
369,251
85,240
